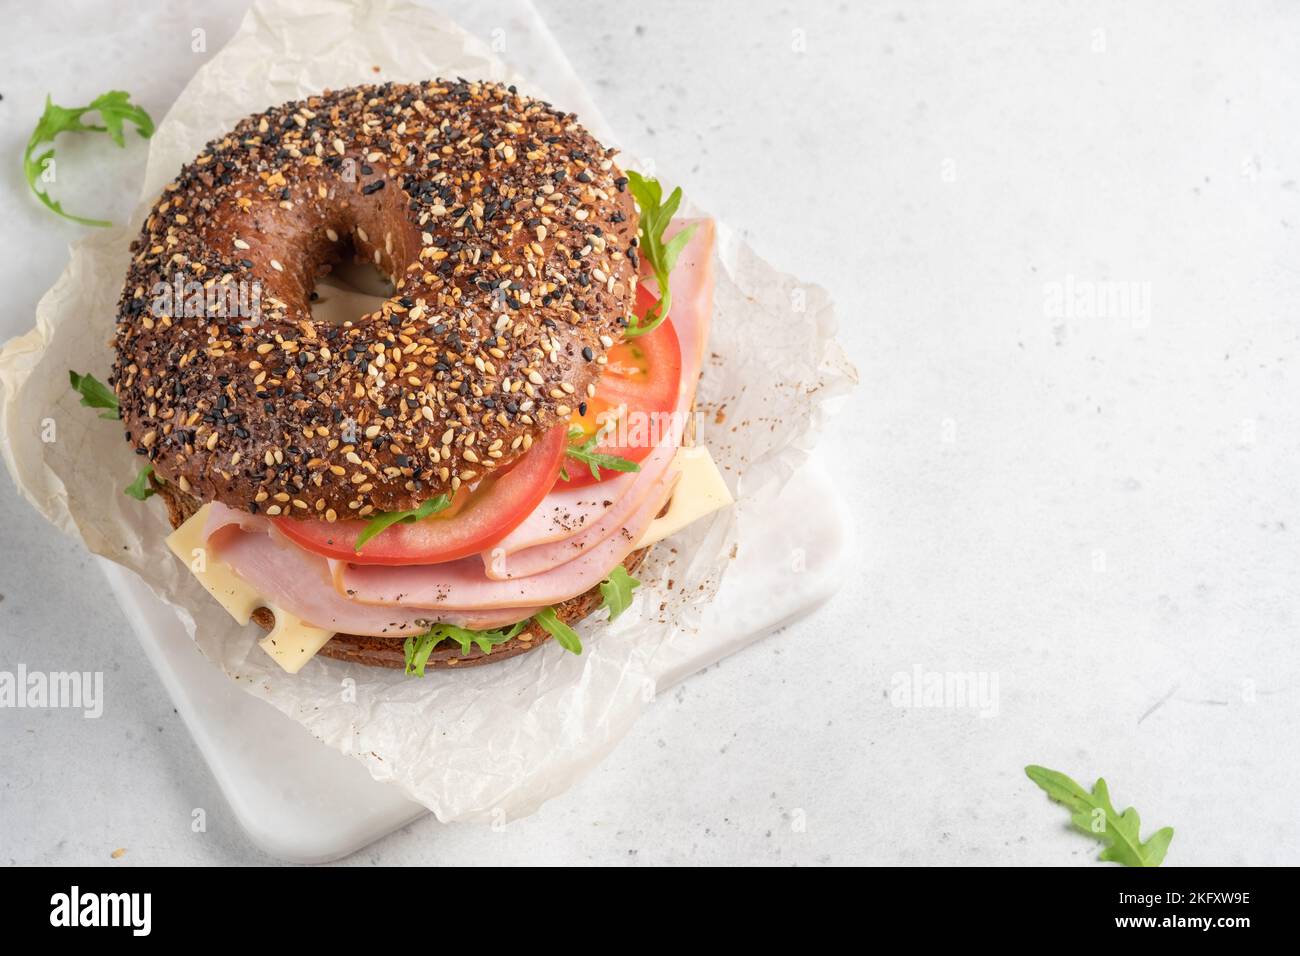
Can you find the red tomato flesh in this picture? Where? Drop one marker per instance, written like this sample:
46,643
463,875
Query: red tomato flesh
470,526
637,393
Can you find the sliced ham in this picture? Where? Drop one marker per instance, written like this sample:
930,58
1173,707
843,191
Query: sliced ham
462,585
692,285
502,565
222,516
299,582
563,513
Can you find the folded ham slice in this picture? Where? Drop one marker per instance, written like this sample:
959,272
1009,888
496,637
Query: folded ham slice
692,285
299,582
462,585
564,513
502,565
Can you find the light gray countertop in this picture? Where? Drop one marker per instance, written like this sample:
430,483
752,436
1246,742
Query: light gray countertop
1063,243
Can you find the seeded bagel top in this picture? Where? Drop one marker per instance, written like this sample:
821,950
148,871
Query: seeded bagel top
507,230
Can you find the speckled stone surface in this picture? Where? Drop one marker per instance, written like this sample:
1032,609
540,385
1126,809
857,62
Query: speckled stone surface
1065,251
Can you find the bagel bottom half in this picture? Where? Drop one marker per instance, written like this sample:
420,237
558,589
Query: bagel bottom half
389,651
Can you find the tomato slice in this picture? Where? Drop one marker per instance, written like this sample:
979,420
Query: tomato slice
635,399
472,525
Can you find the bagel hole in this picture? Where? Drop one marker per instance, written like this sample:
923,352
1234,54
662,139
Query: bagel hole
347,290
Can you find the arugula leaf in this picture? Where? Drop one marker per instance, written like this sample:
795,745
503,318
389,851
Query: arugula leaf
598,460
1094,814
140,489
418,647
616,590
386,519
593,459
564,635
114,107
486,640
661,257
95,394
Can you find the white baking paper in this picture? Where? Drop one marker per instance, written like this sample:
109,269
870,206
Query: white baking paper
486,743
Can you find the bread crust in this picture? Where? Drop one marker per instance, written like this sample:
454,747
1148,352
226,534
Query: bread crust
510,236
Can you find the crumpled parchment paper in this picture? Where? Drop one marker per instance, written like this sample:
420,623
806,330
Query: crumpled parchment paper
485,743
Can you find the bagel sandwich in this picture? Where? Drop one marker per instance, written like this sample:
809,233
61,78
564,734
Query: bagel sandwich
456,469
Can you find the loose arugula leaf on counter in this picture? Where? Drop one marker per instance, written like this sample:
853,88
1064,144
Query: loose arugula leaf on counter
587,454
616,590
564,635
1094,814
419,647
386,519
94,394
656,214
114,107
140,489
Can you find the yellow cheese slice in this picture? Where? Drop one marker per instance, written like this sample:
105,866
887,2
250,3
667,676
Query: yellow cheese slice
190,545
291,643
700,491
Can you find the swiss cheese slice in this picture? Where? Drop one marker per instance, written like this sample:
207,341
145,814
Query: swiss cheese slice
233,593
291,643
700,491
